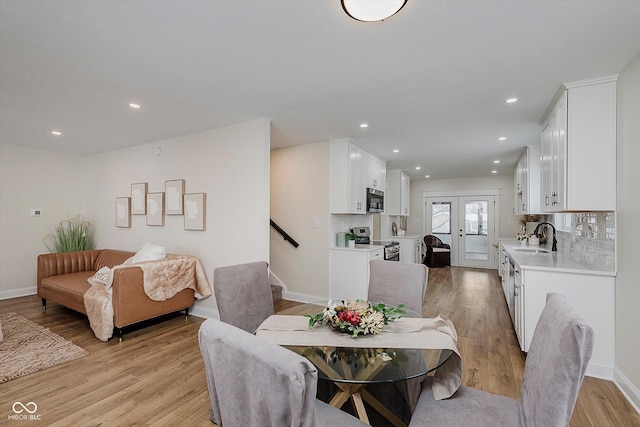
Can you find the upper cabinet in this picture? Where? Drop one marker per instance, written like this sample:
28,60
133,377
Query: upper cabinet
353,170
397,199
578,148
527,182
376,173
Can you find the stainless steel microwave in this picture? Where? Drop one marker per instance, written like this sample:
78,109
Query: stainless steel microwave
375,200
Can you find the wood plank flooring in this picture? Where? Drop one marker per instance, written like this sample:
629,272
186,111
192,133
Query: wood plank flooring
155,377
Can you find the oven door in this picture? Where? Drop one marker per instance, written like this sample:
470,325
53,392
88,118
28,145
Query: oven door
392,254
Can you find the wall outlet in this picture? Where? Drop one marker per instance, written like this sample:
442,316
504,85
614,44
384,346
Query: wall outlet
318,223
36,212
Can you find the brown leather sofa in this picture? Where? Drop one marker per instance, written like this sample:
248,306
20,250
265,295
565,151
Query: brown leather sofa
62,278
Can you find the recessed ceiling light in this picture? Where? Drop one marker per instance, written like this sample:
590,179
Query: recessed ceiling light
502,138
494,171
396,151
427,176
134,105
496,161
364,125
418,168
511,100
56,132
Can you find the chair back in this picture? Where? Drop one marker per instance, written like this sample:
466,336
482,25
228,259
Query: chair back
260,383
560,351
432,241
243,294
396,283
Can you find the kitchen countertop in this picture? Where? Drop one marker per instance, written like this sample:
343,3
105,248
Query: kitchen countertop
561,262
408,236
360,248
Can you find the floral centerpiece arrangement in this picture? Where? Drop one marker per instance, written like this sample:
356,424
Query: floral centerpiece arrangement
357,317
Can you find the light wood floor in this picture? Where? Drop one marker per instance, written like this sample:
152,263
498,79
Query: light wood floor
156,375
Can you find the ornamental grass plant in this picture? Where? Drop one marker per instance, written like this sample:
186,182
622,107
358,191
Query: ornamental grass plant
72,234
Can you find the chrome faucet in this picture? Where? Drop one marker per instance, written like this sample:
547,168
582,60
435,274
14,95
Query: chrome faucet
554,247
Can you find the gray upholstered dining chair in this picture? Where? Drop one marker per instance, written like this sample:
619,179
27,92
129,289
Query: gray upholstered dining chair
560,351
396,283
260,383
243,294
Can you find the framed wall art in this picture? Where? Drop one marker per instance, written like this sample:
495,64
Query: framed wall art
123,212
139,198
195,211
173,198
155,209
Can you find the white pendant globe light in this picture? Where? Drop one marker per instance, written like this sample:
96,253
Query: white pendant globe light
372,10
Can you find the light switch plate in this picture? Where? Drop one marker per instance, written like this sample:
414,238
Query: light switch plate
36,212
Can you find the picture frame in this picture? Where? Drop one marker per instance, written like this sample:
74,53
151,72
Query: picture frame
139,198
173,198
123,212
195,211
155,209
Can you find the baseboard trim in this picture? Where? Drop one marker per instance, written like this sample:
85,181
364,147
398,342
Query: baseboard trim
205,313
296,296
601,370
16,293
627,388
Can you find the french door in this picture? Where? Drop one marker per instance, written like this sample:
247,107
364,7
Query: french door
467,223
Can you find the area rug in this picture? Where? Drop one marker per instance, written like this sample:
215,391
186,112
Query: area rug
28,347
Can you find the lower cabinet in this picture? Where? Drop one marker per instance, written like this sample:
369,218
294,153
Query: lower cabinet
590,294
410,248
349,272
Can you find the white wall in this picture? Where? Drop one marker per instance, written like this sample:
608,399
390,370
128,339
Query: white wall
300,195
31,178
628,236
229,164
509,224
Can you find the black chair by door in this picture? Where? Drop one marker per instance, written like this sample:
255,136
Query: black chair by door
438,253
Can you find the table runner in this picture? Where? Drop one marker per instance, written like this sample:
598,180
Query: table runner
421,333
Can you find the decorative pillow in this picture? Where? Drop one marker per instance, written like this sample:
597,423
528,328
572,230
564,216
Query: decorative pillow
150,252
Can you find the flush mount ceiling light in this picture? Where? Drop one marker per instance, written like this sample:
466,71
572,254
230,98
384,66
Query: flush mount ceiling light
364,125
134,106
372,10
511,100
56,132
502,138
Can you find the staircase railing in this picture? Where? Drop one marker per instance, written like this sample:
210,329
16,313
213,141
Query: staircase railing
284,234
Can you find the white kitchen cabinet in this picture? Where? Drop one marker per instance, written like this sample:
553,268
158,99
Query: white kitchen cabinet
410,248
347,178
353,169
591,295
527,182
398,195
578,148
349,272
376,173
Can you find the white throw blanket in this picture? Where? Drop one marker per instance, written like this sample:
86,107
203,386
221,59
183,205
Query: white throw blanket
162,280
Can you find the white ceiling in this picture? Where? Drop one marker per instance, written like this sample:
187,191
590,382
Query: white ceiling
431,81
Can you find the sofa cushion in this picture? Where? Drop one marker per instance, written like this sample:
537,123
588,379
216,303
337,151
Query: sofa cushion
71,286
110,258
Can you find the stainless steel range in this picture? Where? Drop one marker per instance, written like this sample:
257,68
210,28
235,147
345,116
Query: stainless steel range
391,249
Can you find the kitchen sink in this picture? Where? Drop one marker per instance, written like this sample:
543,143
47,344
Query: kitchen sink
532,250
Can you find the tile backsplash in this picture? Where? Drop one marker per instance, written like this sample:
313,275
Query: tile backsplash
592,239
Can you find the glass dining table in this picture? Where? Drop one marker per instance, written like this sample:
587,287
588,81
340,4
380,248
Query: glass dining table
352,368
